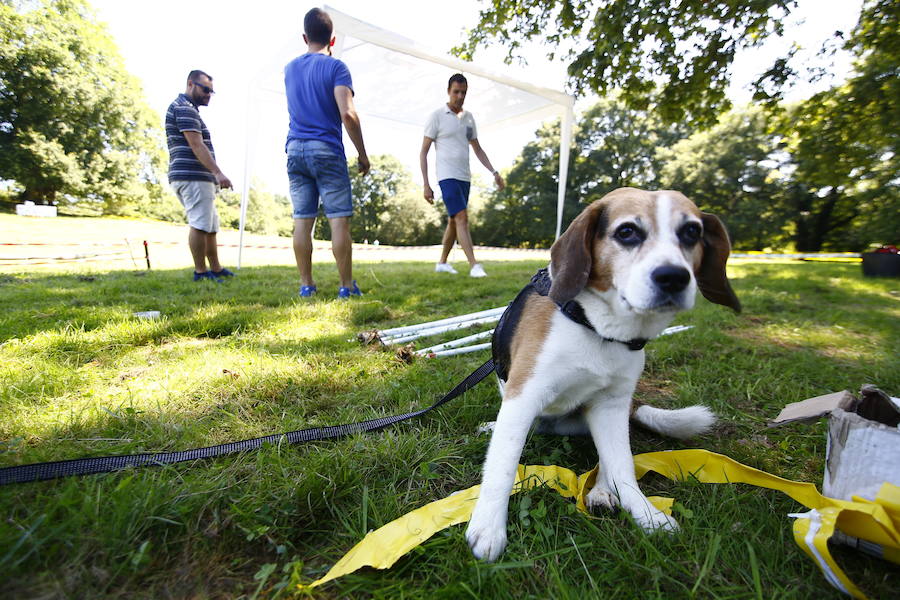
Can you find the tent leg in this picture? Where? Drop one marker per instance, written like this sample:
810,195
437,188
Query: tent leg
245,189
565,141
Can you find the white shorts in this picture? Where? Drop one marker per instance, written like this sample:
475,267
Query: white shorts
199,201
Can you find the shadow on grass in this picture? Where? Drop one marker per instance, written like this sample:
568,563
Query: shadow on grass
321,390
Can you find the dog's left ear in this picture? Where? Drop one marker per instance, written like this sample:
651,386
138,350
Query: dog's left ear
571,256
711,278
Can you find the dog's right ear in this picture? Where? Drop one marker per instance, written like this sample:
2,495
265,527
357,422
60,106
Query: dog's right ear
571,256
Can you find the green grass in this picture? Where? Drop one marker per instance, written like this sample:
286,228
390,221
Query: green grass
80,376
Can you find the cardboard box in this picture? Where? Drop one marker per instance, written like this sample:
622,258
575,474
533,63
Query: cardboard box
863,443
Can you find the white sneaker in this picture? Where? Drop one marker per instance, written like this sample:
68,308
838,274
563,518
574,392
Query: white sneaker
444,268
477,271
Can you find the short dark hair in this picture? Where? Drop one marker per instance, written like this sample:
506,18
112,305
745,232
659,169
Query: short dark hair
197,74
317,26
458,78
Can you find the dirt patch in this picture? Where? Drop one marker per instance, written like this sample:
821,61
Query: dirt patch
653,392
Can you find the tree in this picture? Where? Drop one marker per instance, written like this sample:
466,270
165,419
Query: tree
267,213
73,122
410,220
732,170
387,207
613,146
846,145
836,178
617,147
372,193
674,56
524,213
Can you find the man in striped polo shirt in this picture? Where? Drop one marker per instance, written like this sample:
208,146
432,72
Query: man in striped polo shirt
194,174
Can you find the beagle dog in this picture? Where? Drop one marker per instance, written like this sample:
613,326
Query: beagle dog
617,277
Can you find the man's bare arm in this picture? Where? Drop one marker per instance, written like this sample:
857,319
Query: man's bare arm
343,95
195,141
483,158
423,163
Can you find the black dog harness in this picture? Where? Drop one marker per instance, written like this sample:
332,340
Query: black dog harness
503,333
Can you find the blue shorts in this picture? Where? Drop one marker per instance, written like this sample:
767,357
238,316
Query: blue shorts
455,193
316,171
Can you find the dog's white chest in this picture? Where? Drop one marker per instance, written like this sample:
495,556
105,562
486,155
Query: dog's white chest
578,367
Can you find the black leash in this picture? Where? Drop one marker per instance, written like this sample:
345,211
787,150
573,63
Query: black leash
106,464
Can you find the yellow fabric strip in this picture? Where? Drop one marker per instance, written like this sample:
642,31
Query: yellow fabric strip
385,546
812,532
866,520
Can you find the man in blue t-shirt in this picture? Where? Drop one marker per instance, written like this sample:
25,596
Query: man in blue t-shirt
320,98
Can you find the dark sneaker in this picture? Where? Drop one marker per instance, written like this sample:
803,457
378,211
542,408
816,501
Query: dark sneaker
206,275
307,291
344,293
223,273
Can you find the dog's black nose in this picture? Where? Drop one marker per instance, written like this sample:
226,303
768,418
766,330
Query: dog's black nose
671,279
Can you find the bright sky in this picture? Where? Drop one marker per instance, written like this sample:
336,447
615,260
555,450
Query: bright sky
231,40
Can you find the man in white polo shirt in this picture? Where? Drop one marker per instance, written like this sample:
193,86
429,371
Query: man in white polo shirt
452,130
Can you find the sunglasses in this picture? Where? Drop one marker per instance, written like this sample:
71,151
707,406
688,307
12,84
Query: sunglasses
206,89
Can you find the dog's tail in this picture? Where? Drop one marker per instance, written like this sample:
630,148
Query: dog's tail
680,423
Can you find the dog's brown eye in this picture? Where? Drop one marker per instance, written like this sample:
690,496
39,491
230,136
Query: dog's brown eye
690,234
628,234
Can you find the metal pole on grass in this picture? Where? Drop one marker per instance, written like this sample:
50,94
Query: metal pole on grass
436,351
456,343
439,329
463,350
147,254
398,331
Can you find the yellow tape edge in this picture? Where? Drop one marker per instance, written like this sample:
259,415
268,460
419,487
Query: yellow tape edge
812,530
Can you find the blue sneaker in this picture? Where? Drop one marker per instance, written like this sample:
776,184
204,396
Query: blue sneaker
307,291
206,275
223,273
344,293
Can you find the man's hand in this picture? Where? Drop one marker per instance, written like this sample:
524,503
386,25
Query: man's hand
362,163
195,141
429,194
222,181
498,179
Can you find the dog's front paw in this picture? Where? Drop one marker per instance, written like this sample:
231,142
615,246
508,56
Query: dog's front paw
486,537
486,427
652,520
599,499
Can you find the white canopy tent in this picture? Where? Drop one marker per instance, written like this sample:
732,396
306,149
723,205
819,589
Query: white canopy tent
397,84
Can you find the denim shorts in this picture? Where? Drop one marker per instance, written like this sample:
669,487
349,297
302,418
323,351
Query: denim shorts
315,171
455,193
199,201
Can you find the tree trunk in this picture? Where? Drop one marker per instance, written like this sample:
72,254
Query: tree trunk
803,201
38,195
823,223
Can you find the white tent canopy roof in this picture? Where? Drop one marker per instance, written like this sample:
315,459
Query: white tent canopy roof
397,84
